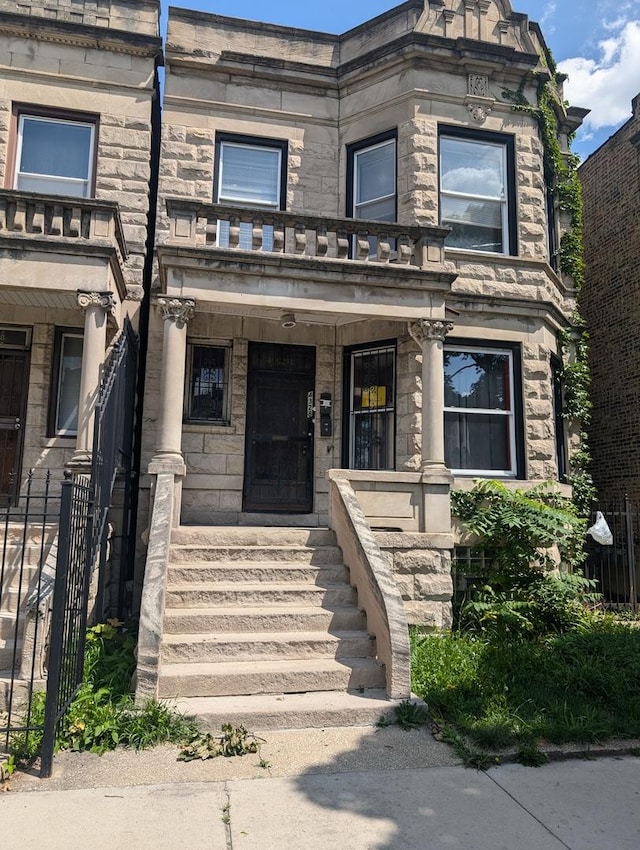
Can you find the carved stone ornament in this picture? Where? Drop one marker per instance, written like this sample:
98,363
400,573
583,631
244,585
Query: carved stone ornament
478,85
178,310
429,329
478,111
104,300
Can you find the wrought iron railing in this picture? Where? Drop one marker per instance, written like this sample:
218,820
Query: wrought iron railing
28,552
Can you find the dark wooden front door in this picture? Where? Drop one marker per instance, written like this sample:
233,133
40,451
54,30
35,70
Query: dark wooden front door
13,397
279,447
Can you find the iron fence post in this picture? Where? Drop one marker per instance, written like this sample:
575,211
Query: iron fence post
631,554
57,627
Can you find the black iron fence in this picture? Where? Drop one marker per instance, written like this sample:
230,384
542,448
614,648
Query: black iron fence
111,473
45,607
28,556
76,558
615,566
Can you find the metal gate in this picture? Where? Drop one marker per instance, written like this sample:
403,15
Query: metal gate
615,567
82,541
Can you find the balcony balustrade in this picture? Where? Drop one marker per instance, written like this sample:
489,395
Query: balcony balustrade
232,230
33,215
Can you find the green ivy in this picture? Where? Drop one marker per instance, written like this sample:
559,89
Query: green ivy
563,167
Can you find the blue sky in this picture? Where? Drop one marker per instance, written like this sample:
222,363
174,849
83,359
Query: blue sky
596,42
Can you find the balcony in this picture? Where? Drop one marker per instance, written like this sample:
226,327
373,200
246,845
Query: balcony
222,253
345,239
36,224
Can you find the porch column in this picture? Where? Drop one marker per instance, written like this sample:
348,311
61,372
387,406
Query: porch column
430,334
176,313
97,307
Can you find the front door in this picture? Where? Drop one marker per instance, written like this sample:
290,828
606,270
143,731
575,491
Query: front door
279,445
14,379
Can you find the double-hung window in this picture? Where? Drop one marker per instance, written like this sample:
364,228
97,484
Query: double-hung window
55,155
250,173
372,377
482,410
371,180
477,191
207,385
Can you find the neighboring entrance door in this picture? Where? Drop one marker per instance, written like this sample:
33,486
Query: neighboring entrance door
279,445
14,380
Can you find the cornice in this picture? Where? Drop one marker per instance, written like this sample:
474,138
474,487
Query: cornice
80,35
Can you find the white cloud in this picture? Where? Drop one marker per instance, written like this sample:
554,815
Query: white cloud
606,85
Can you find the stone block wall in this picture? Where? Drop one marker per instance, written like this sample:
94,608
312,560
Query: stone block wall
423,576
139,16
610,303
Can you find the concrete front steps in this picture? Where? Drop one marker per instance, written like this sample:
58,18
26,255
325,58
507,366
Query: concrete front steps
262,627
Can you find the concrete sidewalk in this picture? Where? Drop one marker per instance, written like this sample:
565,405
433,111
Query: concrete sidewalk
361,788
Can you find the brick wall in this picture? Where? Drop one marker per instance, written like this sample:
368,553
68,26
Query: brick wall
611,305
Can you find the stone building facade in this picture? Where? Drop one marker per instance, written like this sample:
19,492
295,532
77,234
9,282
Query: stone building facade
286,338
610,304
77,85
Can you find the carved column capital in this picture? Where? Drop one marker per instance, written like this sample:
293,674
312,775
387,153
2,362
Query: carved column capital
178,310
425,329
104,300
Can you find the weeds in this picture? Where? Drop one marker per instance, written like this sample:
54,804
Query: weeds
103,714
234,741
410,715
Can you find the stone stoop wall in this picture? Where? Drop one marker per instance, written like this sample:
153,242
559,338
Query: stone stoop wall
423,575
610,303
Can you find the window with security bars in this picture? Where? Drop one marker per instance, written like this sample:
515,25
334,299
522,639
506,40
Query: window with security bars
372,408
477,191
207,383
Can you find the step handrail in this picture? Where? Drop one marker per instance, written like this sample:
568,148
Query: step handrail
373,579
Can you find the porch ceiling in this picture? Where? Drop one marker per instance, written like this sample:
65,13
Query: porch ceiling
38,298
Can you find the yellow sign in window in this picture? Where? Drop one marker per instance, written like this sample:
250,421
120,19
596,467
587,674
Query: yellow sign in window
374,396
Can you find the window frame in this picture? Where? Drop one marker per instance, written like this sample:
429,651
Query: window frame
348,433
187,416
258,142
515,414
356,148
20,111
54,394
509,206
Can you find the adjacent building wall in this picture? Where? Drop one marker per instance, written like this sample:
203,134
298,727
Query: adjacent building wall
611,306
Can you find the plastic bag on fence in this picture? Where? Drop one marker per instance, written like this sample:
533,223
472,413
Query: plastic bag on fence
600,531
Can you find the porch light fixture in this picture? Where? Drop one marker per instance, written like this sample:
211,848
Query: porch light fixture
288,320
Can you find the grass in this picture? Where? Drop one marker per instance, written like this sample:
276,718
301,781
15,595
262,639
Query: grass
103,714
581,686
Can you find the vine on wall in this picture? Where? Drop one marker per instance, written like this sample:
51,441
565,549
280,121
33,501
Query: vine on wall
562,167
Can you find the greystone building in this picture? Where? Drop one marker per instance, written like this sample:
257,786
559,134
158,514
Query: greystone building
353,307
